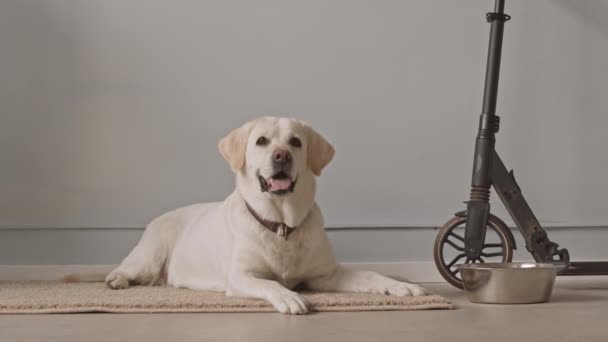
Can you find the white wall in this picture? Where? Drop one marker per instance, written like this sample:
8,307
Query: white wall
110,110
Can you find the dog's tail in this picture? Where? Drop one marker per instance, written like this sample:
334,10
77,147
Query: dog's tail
85,277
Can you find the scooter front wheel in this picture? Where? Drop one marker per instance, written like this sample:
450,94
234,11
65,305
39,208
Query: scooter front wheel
448,250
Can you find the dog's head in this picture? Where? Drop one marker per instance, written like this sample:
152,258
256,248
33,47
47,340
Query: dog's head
275,153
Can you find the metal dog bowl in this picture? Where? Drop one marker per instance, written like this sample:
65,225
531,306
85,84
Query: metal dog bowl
509,283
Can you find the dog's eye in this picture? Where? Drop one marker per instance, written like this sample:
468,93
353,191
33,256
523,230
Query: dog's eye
295,142
262,141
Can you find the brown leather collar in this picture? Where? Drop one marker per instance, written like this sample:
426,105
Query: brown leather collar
281,229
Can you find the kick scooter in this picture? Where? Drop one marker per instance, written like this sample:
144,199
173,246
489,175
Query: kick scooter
451,247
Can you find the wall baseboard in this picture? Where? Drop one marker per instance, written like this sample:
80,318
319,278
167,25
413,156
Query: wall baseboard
374,245
418,272
48,272
412,271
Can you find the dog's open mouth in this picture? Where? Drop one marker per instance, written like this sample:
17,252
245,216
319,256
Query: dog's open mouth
279,184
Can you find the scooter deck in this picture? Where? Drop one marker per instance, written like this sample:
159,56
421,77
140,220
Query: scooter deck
581,268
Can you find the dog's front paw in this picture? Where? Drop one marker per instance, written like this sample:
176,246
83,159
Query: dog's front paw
117,281
405,289
289,302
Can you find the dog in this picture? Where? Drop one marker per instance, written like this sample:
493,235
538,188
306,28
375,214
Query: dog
265,238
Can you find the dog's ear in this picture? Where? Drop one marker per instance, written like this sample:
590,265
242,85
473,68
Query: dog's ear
320,152
233,146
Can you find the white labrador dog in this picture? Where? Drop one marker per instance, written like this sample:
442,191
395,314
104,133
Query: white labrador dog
267,237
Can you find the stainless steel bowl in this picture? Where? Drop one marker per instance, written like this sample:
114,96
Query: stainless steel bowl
509,283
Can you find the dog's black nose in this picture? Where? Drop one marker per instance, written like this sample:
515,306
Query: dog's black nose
281,156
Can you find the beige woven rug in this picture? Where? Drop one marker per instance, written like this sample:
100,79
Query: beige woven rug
36,297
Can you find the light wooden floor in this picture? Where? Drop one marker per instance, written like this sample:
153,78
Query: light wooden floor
578,312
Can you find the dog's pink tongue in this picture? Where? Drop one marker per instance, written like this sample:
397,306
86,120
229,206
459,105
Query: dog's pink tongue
279,184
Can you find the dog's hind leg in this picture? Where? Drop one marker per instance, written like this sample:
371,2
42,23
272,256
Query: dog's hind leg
146,264
143,266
